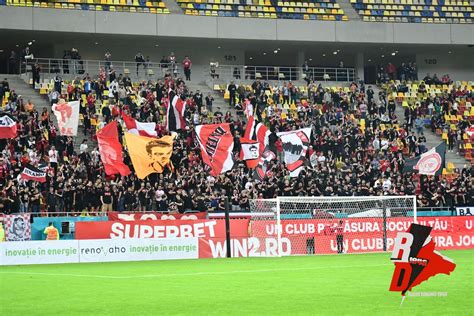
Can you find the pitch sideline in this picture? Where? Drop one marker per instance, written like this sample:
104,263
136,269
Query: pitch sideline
191,274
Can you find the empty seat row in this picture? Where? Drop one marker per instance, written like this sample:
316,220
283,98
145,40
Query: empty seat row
97,5
417,20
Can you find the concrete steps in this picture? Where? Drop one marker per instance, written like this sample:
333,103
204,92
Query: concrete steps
173,6
349,10
21,87
432,140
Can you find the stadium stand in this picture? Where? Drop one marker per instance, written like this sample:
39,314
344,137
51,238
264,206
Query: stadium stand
310,10
415,11
445,107
327,10
141,6
359,146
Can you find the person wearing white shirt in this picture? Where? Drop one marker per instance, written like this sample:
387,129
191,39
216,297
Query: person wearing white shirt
83,147
321,158
196,118
376,144
95,155
113,89
53,158
248,185
32,156
387,184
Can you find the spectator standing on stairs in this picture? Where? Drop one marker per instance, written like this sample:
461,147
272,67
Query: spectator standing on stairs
83,147
232,89
241,93
58,81
209,101
140,60
198,100
108,60
13,63
36,73
187,68
173,64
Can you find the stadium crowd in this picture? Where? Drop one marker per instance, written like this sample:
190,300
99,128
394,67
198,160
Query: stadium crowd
358,146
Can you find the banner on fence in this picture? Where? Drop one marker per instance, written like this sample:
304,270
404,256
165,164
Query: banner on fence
108,250
39,252
17,227
362,234
131,216
465,211
159,229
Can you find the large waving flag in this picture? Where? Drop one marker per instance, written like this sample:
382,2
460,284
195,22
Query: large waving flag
33,173
216,142
149,155
295,146
175,113
139,128
250,152
8,128
111,150
430,163
257,131
67,114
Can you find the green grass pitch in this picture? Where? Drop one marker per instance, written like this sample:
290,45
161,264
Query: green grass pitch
313,285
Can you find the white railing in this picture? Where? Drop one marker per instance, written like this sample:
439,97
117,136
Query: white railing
149,70
279,73
79,67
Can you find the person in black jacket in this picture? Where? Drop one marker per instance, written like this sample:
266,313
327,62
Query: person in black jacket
36,73
232,89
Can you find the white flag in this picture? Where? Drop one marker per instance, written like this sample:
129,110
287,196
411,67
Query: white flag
295,146
67,114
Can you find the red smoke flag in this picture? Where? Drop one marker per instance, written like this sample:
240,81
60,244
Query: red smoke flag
216,143
250,152
139,128
7,127
110,150
175,113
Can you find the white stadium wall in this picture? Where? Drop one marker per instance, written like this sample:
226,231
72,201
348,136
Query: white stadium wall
100,22
460,66
243,39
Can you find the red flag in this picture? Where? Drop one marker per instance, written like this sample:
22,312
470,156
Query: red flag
34,174
111,150
7,127
175,113
216,143
257,131
139,128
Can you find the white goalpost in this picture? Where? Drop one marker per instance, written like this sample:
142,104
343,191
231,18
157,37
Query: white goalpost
288,226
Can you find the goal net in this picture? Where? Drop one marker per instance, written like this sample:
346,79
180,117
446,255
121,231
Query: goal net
328,225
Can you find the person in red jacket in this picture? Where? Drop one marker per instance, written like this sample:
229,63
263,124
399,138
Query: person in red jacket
187,67
391,70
